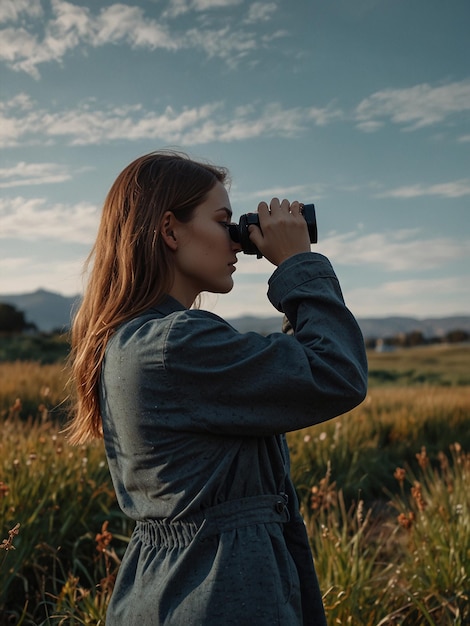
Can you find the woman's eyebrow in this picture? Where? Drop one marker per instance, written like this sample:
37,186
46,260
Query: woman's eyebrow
227,211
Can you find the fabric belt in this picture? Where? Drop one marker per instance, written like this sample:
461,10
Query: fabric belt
214,520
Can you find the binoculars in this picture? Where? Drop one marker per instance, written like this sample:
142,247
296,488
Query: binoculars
239,232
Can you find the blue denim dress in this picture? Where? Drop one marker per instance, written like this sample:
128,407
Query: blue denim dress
193,415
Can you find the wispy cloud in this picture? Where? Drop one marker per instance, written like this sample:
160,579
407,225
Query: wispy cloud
24,274
180,7
413,107
452,189
12,10
414,297
25,174
21,122
400,250
29,43
35,220
397,251
260,11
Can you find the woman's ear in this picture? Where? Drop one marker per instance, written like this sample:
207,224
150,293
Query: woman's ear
167,230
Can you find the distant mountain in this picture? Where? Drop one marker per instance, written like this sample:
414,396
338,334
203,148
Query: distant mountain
47,310
430,327
51,311
372,328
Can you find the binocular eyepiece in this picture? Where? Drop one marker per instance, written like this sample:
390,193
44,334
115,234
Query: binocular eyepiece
239,232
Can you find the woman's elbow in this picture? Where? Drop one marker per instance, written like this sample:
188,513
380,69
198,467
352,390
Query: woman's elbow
350,387
356,387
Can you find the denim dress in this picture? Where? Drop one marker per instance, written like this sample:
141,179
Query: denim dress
194,415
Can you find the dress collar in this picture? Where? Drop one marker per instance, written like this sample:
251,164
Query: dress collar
168,305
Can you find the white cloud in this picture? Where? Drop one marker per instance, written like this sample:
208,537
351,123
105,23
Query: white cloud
17,44
400,250
415,297
304,193
179,7
25,48
39,270
123,23
204,5
12,10
413,107
369,126
260,11
88,125
34,220
25,174
75,26
452,189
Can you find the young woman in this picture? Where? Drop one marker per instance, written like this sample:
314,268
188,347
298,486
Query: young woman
193,412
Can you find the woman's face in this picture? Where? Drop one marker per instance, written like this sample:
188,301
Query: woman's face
205,255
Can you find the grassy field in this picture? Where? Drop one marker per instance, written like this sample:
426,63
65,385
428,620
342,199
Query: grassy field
383,491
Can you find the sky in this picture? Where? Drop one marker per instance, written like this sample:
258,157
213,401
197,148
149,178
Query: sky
361,107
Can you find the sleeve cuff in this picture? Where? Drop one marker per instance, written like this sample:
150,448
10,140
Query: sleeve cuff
295,271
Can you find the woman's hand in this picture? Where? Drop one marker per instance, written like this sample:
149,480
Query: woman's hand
283,231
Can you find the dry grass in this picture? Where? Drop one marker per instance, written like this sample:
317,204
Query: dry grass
383,490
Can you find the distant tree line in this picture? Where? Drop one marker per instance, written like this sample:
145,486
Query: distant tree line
416,338
12,321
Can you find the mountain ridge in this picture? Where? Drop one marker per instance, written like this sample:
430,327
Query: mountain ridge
50,311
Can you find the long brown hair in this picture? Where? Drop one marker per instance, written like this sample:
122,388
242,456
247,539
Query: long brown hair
131,267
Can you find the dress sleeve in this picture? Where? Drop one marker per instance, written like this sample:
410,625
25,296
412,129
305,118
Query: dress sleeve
246,383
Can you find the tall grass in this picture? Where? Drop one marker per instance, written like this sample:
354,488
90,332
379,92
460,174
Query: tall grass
364,447
60,497
407,562
383,491
31,389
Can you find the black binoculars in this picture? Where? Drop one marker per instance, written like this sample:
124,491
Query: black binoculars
239,232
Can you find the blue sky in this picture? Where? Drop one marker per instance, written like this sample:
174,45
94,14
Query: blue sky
360,106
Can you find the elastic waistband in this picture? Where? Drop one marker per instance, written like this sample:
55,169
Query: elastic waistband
214,520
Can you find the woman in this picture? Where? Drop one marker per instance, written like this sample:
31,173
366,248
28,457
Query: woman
193,412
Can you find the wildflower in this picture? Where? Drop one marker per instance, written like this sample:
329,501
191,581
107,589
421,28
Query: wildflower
457,447
443,461
322,436
422,458
400,474
406,520
43,411
4,490
360,512
45,391
17,406
7,544
323,495
307,438
417,493
104,538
